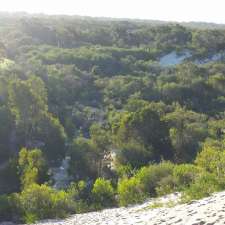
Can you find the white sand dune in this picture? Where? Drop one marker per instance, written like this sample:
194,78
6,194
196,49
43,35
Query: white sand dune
207,211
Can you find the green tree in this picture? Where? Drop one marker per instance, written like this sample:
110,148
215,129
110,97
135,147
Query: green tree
187,130
52,137
84,159
6,130
146,127
133,154
32,167
28,103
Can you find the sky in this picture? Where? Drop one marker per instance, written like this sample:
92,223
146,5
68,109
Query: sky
168,10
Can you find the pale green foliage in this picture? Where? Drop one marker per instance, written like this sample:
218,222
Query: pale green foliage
42,202
32,166
204,185
129,191
184,175
212,159
146,182
103,193
124,170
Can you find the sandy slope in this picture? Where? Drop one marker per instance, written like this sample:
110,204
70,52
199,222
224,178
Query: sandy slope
208,211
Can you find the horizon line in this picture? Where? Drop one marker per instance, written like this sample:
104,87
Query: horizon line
107,18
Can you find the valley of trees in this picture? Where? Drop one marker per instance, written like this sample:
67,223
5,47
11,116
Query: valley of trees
93,90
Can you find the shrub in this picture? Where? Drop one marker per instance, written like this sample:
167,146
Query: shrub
212,160
150,176
9,178
184,175
129,191
9,208
134,154
5,208
166,185
41,202
79,192
203,186
32,167
103,193
124,170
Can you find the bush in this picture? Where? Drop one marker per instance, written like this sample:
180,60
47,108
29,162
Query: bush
204,185
79,192
32,167
124,170
129,191
150,176
9,208
148,181
212,160
134,154
166,185
5,208
41,202
103,193
184,175
9,178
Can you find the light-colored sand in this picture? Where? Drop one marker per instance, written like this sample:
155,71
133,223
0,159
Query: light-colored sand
208,211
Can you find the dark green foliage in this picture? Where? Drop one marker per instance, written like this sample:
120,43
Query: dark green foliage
52,136
96,91
187,129
9,177
5,132
80,194
84,159
134,154
5,208
149,132
151,176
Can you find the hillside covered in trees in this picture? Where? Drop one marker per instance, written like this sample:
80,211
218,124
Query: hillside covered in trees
131,108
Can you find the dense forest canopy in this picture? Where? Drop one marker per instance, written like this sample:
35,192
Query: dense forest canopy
111,99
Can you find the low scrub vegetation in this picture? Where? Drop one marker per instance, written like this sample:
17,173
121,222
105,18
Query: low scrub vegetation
95,92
